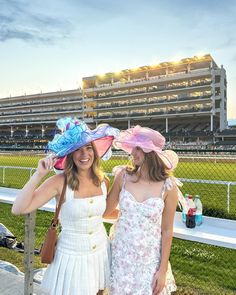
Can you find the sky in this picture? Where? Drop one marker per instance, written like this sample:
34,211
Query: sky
48,45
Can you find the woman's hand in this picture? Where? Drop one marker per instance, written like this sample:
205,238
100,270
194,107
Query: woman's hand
45,165
159,281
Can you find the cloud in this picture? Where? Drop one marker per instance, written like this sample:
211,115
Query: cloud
19,21
7,34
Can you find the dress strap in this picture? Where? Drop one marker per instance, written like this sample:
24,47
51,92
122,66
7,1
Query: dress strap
69,195
124,180
104,188
163,189
168,185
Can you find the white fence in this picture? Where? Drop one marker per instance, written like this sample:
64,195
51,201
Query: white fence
227,183
202,181
30,169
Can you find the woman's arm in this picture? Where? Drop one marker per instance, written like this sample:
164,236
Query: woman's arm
113,197
168,215
30,198
113,214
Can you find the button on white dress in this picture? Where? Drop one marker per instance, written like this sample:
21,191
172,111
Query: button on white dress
81,264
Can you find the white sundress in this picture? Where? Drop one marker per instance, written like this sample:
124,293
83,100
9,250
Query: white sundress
136,245
81,265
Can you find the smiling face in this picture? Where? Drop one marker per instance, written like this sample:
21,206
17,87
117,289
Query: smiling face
138,156
83,158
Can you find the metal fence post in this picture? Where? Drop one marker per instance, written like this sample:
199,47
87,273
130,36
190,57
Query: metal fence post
228,196
29,252
3,175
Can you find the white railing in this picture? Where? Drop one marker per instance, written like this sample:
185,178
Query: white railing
227,183
200,181
206,181
30,169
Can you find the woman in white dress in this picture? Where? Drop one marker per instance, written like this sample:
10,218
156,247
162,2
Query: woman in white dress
81,264
147,197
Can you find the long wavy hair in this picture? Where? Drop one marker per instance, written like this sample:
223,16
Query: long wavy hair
71,171
157,170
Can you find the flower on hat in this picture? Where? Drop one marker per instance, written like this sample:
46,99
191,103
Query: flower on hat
75,134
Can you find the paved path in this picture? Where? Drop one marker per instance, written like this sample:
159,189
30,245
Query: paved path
12,284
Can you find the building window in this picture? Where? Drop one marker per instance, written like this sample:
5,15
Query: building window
217,79
217,104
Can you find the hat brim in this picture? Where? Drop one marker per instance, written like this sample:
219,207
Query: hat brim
76,134
102,145
168,157
128,145
60,164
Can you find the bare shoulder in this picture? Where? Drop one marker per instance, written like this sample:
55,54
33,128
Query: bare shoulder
118,180
122,172
120,176
60,180
107,181
172,193
56,181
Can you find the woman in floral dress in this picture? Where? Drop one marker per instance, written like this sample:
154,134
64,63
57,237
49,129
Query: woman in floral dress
147,197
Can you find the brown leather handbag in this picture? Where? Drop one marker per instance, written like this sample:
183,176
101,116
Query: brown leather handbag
48,247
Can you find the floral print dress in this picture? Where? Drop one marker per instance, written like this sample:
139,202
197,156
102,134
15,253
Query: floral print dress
136,245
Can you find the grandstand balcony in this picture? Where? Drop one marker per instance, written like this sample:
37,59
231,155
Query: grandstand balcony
42,98
37,118
156,113
104,116
158,96
31,112
206,73
122,95
49,102
157,89
154,102
227,132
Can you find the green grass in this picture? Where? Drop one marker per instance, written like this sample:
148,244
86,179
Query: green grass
198,268
213,196
205,268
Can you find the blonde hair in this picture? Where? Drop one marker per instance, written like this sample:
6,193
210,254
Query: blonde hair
157,170
71,170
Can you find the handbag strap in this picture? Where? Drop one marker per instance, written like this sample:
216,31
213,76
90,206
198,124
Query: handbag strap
55,219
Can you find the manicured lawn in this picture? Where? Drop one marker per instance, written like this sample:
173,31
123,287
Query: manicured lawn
198,268
213,196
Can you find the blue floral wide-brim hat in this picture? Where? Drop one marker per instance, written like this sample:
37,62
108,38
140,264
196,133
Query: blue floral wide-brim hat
75,134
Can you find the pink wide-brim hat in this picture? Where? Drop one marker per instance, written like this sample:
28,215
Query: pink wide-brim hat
148,140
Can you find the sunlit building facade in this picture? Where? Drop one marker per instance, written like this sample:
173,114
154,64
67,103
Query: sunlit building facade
189,95
32,117
184,100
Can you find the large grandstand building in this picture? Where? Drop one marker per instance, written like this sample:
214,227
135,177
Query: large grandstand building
185,100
